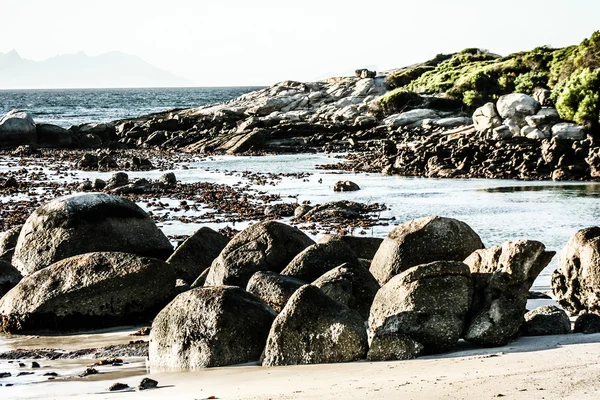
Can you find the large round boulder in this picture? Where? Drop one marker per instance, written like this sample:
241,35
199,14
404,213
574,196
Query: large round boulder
576,282
17,128
210,327
351,285
265,246
94,290
546,320
197,253
502,277
517,105
427,304
320,258
313,329
363,247
85,223
421,241
273,288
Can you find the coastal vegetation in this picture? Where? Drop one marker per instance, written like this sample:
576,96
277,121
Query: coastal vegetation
475,76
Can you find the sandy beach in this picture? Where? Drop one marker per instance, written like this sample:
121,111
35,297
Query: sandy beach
550,367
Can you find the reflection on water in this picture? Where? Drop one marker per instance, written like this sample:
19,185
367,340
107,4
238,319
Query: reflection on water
580,190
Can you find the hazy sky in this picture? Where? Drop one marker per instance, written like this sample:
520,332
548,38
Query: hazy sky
260,42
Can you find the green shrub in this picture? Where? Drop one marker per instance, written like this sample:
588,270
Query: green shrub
578,99
403,78
529,81
399,100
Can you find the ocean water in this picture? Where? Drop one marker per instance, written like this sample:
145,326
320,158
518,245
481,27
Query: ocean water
66,107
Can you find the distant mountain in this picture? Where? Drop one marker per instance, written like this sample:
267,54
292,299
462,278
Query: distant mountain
109,70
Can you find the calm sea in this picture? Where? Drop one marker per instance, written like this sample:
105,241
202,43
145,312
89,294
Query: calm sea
66,107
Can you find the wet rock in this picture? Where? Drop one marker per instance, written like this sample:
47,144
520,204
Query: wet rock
421,241
302,210
196,254
363,247
273,288
84,223
52,136
5,375
93,290
587,323
98,184
546,320
17,128
168,180
502,277
88,160
147,383
265,246
576,281
312,329
318,259
351,285
88,141
280,210
118,386
118,179
210,327
345,186
427,303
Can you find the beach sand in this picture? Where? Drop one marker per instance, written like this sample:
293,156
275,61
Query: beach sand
549,367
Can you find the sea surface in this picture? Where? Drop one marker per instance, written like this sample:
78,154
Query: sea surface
66,107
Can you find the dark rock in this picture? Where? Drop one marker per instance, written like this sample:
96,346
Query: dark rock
168,180
345,186
84,223
351,285
89,371
427,304
312,329
302,210
17,128
280,210
201,280
265,246
9,277
147,383
587,323
5,375
421,241
210,327
196,254
93,290
98,184
273,288
118,386
363,247
538,296
23,373
35,364
88,141
575,283
502,277
117,180
88,160
318,259
53,136
546,320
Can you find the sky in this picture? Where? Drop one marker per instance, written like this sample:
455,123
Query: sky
261,42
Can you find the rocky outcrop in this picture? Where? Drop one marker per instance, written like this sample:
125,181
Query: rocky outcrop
312,329
502,277
427,304
265,246
351,285
17,128
209,327
421,241
94,290
84,223
546,320
576,282
318,259
273,288
197,253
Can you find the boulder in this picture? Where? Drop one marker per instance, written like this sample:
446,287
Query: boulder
280,210
94,290
502,132
318,259
587,323
53,136
517,105
87,140
265,246
427,304
273,288
546,320
84,223
411,117
210,327
543,96
345,186
312,329
393,347
9,277
106,131
576,282
17,128
502,277
197,253
422,241
363,247
486,118
118,179
567,130
351,285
